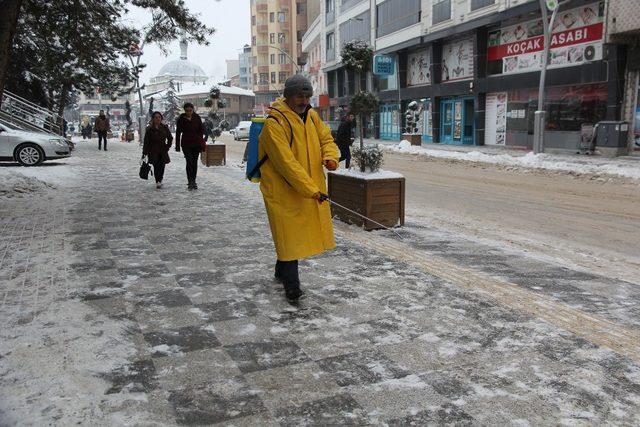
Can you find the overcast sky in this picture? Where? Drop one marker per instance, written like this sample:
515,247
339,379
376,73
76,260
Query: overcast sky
231,19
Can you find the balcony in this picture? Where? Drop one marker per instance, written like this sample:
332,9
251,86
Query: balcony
263,28
263,69
284,4
263,49
286,67
263,88
262,7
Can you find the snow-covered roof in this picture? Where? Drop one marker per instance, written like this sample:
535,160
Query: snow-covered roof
203,89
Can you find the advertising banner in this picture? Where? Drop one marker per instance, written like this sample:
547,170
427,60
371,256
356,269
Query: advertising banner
457,60
576,38
418,68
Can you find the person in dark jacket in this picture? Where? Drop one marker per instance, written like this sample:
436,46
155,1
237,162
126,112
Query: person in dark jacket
190,136
344,138
102,127
157,142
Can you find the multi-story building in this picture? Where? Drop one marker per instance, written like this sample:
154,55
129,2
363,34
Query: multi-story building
233,71
623,27
89,105
244,70
313,56
277,27
475,65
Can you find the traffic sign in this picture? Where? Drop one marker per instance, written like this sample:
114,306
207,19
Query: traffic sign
383,65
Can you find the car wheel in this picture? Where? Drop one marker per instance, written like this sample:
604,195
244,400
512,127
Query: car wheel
29,155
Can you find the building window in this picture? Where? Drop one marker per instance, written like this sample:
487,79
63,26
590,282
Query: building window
301,8
264,78
281,17
348,4
357,28
441,11
282,58
273,77
253,20
282,77
479,4
272,38
394,15
331,47
272,59
272,17
329,15
253,40
299,35
281,38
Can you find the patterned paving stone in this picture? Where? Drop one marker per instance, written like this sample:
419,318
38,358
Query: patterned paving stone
257,356
227,310
191,338
337,410
361,368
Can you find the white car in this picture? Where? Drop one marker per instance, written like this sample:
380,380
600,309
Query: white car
30,148
242,131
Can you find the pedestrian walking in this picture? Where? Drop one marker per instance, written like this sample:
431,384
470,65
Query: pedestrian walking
190,137
298,144
102,127
157,142
345,138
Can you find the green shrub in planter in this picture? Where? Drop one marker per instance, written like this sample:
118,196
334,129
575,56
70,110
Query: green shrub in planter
368,158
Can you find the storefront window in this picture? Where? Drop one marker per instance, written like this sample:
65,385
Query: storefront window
567,107
389,82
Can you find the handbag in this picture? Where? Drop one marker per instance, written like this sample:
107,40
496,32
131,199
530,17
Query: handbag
145,169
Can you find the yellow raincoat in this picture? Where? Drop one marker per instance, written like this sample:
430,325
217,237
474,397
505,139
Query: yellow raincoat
301,227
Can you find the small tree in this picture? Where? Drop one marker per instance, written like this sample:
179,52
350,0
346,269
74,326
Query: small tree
413,117
362,105
172,105
356,55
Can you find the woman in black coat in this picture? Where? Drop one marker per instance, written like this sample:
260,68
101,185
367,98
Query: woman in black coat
157,141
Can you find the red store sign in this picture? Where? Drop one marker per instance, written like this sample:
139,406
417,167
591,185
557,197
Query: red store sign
571,37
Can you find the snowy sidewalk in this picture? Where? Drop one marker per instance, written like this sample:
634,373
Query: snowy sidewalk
122,304
625,167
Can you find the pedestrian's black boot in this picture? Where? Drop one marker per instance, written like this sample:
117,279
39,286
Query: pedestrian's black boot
278,274
290,279
190,185
195,185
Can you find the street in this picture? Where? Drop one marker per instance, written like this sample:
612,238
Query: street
124,304
581,221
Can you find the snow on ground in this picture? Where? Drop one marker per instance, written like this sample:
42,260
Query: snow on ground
584,165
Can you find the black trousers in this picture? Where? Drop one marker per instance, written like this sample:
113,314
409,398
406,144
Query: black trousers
101,136
191,155
158,169
345,154
287,271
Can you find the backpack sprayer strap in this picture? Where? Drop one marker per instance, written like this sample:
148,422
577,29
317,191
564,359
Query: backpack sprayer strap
262,161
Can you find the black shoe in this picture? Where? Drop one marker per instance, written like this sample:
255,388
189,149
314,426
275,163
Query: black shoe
195,186
293,294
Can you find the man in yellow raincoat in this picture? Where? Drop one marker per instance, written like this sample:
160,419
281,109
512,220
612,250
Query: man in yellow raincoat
298,144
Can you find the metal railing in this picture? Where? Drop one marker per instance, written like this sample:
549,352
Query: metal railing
27,115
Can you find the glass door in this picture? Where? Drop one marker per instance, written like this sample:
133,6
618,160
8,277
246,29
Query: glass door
446,122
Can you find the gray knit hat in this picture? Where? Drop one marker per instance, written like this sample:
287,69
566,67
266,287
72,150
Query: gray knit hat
297,85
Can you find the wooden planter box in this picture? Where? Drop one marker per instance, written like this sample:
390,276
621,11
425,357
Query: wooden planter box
413,139
216,155
381,199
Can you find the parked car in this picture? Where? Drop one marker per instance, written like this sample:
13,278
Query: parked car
241,131
30,148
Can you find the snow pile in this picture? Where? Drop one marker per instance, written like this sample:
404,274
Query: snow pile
13,184
595,166
381,174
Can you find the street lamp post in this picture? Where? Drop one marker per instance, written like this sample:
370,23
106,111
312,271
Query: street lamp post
540,115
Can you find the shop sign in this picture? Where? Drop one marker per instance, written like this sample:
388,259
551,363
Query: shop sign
496,118
457,60
383,65
418,68
576,38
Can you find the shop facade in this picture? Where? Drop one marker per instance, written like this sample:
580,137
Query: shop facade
479,80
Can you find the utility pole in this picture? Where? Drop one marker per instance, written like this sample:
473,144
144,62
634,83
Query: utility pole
540,115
